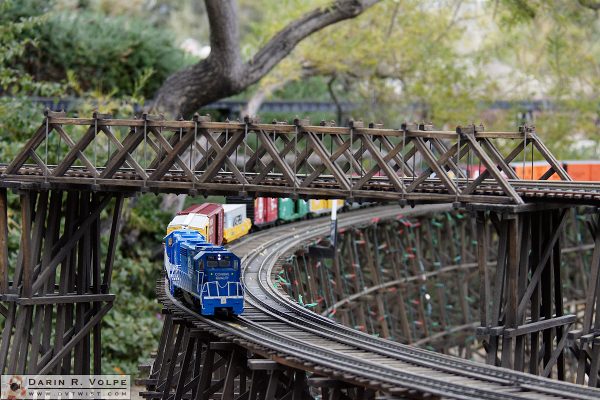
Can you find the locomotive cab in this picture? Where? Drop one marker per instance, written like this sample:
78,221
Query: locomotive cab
222,288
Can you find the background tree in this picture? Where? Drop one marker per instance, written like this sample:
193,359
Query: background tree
225,72
552,49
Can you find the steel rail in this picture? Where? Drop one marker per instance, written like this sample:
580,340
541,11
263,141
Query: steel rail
393,349
432,190
297,318
320,359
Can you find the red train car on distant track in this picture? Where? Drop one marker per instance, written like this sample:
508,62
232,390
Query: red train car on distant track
262,211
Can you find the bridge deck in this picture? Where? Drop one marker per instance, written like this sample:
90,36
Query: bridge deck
413,164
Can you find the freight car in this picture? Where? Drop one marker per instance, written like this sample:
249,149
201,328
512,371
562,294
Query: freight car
196,264
579,170
262,211
223,223
267,211
218,223
291,210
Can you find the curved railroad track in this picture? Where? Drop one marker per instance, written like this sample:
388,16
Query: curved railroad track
276,327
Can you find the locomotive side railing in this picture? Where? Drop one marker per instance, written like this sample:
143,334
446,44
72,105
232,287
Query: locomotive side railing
214,289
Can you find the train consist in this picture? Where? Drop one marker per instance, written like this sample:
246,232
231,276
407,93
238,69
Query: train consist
197,264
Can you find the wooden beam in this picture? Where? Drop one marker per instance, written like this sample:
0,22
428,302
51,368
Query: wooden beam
67,242
485,174
38,137
324,156
3,242
85,329
430,159
548,156
535,278
493,170
382,163
64,299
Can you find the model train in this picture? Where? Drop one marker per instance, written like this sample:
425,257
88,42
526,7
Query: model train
209,273
197,264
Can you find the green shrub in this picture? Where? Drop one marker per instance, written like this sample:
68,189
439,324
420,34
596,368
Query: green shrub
117,55
105,53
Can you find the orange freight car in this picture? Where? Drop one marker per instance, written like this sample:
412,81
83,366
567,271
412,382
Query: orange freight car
579,170
533,172
584,170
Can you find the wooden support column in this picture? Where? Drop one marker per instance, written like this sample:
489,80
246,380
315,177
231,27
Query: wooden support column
26,200
56,302
527,315
587,348
3,241
512,275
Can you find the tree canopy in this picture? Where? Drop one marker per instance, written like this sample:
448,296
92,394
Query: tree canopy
225,72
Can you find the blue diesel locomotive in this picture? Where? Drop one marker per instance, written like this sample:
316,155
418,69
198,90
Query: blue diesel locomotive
210,274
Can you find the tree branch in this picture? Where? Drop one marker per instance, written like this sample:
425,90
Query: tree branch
285,40
338,106
224,34
223,73
592,4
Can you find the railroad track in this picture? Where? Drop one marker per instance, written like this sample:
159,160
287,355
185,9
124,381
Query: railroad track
379,188
276,327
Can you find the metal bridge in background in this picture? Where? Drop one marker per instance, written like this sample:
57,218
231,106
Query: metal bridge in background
232,108
56,290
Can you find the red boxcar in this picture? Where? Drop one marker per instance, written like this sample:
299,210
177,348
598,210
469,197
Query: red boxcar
261,210
214,212
265,211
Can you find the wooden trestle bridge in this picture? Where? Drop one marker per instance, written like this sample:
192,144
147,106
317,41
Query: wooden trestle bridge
56,289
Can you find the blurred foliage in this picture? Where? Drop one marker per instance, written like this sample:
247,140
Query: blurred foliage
110,54
41,44
19,21
553,49
399,61
447,61
108,64
133,325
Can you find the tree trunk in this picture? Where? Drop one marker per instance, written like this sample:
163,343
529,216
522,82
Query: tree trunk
224,73
187,90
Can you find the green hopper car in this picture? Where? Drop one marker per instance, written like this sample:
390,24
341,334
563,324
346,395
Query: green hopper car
291,210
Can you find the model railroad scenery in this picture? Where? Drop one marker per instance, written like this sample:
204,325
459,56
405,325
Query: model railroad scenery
196,264
299,200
